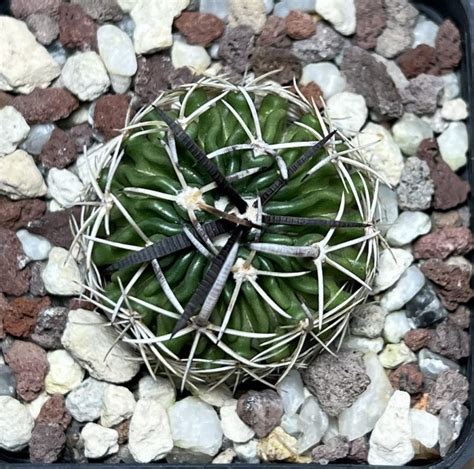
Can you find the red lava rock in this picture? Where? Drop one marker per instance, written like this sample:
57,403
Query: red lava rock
16,214
448,46
266,59
443,243
199,28
3,308
371,21
461,317
76,28
29,364
417,339
50,325
24,8
21,314
450,341
312,92
333,449
262,411
109,114
44,27
55,226
450,189
46,444
77,303
359,450
6,99
236,47
14,277
122,429
152,77
453,281
59,151
274,33
82,136
48,105
449,386
299,25
182,76
407,378
421,59
54,412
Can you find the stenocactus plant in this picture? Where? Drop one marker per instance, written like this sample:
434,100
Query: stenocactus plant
232,231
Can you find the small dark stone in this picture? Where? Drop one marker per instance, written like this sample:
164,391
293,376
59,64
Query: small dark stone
299,25
15,214
59,151
74,451
21,315
274,33
7,381
77,303
370,78
448,46
359,450
266,59
312,92
407,378
425,308
101,10
444,219
422,94
46,444
449,386
417,339
443,243
76,28
421,59
182,76
122,429
371,21
236,47
262,411
461,317
199,28
450,341
3,309
50,326
335,448
110,114
152,77
29,364
82,136
336,381
37,287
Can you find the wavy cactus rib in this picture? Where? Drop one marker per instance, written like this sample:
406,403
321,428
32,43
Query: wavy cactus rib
230,232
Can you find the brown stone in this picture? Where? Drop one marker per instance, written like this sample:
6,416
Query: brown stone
450,189
77,303
55,226
46,444
448,46
443,243
421,59
262,411
54,412
59,151
21,314
3,309
445,219
199,28
359,451
333,449
417,339
452,281
29,364
14,276
461,317
76,28
122,429
450,341
312,92
300,25
110,113
449,386
101,10
15,214
82,136
371,21
266,59
274,33
407,378
48,105
6,99
236,47
182,76
24,8
152,77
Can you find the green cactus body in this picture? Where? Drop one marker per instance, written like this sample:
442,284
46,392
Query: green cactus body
284,306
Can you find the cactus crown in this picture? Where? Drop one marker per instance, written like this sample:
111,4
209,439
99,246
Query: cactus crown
232,231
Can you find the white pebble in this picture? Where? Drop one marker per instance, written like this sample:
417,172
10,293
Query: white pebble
194,57
363,344
118,405
410,283
219,8
394,355
247,452
454,110
381,152
452,87
432,364
61,276
313,423
120,84
425,32
249,13
407,227
34,246
216,397
19,176
233,427
340,13
453,145
424,427
291,391
326,75
348,112
13,129
64,186
16,424
436,122
159,389
409,132
84,75
116,50
387,207
64,373
396,326
84,402
99,441
38,135
392,264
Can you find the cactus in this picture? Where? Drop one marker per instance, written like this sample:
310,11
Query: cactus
229,232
